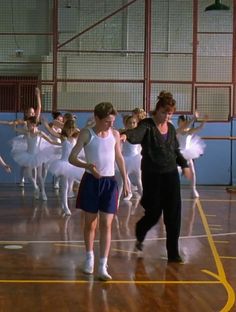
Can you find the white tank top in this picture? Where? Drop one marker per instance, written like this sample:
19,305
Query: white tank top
101,152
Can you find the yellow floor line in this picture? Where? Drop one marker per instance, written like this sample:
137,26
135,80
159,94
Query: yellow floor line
215,225
227,257
125,251
69,245
221,242
217,200
221,273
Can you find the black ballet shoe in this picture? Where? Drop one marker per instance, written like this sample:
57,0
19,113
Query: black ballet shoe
175,259
139,246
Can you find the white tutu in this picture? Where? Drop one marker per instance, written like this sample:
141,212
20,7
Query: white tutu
132,158
18,143
133,163
33,156
194,146
61,167
55,151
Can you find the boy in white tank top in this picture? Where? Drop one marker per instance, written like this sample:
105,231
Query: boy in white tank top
98,191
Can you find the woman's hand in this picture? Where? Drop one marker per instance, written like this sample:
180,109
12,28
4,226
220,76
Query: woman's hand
123,137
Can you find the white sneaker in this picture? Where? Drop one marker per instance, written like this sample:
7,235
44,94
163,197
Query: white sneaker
88,266
128,197
103,275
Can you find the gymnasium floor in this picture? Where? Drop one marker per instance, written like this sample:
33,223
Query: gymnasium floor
42,253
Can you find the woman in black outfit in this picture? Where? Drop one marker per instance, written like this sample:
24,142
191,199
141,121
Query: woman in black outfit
160,177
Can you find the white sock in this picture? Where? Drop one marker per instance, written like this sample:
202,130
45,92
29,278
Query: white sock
90,254
103,262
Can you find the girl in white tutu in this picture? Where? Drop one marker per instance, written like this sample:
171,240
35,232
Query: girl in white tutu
57,119
20,140
132,158
191,145
62,168
34,154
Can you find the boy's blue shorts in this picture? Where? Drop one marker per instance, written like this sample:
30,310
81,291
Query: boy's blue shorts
97,194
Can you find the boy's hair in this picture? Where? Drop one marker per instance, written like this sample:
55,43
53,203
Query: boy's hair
104,109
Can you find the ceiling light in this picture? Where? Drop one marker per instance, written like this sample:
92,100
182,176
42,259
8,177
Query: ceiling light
217,6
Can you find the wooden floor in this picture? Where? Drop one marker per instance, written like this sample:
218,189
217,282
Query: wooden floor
42,253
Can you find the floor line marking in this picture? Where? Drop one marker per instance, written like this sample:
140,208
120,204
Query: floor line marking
221,276
116,240
212,200
215,225
221,242
110,282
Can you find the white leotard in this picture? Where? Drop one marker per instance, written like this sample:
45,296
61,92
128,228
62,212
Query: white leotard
101,152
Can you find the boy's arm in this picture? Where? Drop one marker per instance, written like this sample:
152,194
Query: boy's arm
83,139
121,163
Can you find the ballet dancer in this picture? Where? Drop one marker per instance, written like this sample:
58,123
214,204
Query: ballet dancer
33,156
20,139
62,168
132,157
54,128
191,145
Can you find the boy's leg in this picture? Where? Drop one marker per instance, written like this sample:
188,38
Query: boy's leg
105,225
89,236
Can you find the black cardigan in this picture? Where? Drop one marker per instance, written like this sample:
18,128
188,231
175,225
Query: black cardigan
158,155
